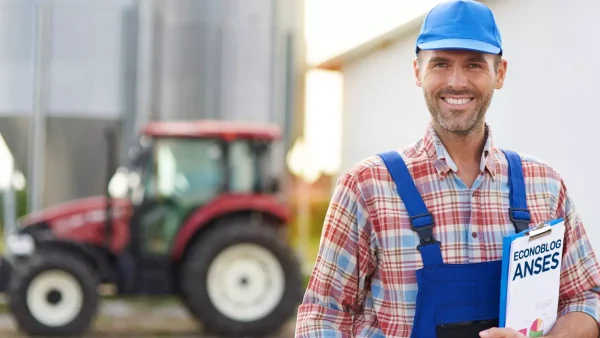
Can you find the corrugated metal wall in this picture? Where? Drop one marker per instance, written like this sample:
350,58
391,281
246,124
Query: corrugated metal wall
124,62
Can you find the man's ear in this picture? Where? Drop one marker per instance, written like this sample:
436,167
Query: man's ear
417,70
501,74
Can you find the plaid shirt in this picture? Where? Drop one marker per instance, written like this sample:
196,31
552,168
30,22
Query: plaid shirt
363,283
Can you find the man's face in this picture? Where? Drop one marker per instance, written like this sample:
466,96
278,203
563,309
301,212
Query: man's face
458,86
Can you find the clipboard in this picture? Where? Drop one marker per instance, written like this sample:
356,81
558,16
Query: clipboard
540,231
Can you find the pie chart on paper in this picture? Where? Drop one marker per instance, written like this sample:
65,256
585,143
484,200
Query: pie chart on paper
537,328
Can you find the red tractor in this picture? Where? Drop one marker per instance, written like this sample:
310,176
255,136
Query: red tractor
199,218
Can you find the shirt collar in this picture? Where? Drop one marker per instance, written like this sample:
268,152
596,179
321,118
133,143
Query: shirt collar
443,162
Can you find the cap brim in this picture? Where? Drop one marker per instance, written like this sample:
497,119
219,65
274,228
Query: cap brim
467,44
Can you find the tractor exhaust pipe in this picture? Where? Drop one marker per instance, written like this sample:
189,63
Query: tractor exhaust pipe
111,163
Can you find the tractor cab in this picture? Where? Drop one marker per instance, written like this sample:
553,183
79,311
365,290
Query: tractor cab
216,157
178,167
194,213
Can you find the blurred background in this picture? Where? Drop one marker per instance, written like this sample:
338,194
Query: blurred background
334,75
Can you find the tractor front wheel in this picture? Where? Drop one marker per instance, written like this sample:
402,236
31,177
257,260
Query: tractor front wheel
241,280
53,294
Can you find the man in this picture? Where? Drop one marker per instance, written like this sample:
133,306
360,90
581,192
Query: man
400,222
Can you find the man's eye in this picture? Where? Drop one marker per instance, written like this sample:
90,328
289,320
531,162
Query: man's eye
440,65
474,65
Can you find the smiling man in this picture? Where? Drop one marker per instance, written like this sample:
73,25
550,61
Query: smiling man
412,240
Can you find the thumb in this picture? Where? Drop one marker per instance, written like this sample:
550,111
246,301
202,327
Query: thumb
491,333
497,332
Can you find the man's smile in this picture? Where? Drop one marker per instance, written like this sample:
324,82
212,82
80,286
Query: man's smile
458,102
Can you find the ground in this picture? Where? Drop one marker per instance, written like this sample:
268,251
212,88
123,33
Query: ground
140,318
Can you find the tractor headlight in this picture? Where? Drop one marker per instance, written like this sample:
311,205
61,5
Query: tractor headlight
20,244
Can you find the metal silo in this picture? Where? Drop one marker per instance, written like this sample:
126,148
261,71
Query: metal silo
124,62
220,59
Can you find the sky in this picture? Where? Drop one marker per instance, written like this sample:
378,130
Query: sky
332,27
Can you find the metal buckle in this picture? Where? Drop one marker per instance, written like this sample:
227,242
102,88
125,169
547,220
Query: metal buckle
425,232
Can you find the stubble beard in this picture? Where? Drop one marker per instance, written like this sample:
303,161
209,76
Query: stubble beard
458,123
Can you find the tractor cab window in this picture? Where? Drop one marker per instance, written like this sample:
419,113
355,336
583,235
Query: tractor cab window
248,165
189,170
242,167
185,173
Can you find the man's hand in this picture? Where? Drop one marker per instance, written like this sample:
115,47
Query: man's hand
496,332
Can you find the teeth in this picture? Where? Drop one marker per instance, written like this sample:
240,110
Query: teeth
457,101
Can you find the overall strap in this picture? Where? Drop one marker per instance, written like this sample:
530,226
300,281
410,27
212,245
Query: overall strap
421,220
519,214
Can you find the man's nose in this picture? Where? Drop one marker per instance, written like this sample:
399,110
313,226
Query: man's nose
457,78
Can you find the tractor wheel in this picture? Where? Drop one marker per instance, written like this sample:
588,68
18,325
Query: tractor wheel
53,294
241,280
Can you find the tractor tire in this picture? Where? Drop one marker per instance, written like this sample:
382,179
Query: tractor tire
241,280
53,294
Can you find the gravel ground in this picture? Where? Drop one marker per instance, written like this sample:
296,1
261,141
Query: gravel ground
143,320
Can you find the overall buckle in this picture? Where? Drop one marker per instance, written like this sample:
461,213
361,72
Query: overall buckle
423,225
521,223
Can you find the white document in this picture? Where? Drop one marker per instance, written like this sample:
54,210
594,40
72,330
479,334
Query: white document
534,281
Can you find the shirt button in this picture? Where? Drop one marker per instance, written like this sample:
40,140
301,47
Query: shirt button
474,234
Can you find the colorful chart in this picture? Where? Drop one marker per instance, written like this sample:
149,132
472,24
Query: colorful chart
537,328
537,325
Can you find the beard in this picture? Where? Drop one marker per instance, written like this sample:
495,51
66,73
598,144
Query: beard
458,121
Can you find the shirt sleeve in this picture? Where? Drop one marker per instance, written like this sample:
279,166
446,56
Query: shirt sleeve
580,277
339,279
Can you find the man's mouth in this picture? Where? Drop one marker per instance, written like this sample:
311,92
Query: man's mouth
457,101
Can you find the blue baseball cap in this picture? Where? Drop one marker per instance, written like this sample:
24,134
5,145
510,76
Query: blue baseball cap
460,24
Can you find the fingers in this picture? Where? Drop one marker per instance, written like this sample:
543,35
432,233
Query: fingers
500,333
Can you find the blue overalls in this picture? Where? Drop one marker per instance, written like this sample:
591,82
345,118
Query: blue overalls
454,300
